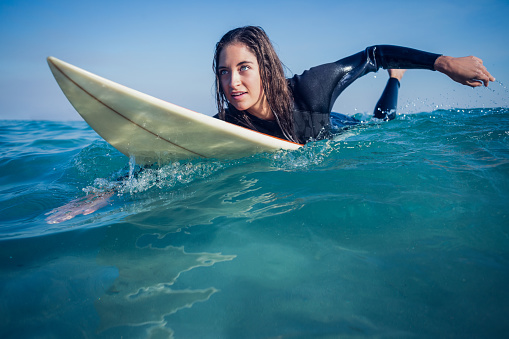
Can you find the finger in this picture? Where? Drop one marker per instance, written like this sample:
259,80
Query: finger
482,79
486,78
474,83
481,75
485,71
490,77
90,210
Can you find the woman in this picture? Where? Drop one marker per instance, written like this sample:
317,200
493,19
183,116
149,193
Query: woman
252,91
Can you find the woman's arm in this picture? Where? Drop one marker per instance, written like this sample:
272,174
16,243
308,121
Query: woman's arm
386,106
85,205
317,89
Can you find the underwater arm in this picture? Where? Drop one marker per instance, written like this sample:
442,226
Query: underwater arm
86,205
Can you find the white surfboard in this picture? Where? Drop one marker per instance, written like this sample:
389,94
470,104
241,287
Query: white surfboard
153,130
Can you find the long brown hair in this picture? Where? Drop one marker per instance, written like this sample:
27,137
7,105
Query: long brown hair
275,86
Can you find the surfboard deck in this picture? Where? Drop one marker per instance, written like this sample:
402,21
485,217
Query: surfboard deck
153,130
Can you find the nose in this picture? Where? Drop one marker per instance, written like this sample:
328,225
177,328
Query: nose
234,79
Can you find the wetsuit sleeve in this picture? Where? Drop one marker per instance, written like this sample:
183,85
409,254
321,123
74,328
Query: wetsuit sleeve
317,89
386,106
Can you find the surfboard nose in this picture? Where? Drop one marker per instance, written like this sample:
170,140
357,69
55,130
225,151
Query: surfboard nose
53,62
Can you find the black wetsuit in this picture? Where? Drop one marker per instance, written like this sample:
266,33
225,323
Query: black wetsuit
316,90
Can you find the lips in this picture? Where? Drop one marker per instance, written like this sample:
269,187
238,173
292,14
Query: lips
237,94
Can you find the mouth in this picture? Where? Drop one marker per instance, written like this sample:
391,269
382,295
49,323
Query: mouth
237,94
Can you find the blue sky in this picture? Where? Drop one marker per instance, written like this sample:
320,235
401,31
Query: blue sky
165,48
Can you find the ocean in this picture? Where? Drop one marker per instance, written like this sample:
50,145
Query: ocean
393,229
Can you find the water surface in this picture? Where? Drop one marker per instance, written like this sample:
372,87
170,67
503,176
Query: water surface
396,229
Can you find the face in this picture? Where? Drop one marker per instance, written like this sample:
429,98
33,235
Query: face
240,80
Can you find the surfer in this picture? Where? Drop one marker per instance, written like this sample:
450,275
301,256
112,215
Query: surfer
252,91
385,109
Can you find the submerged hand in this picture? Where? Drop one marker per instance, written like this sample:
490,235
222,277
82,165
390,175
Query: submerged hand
85,205
466,70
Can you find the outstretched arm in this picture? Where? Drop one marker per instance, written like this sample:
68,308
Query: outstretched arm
466,70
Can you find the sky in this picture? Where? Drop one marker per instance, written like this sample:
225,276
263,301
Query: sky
165,48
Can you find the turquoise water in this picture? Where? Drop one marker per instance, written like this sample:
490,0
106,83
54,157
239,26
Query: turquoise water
396,229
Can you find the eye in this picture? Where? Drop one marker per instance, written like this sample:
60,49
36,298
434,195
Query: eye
244,67
222,72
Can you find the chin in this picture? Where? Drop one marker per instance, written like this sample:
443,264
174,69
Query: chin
240,107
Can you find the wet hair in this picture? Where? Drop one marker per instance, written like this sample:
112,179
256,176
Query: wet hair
275,86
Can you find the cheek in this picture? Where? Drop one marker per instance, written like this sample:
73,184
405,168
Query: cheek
256,85
253,81
257,81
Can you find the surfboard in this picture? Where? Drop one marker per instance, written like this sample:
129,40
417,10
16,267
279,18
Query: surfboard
153,130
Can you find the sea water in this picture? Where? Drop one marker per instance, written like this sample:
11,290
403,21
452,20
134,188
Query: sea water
390,229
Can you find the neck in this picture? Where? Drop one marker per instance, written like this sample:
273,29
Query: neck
262,111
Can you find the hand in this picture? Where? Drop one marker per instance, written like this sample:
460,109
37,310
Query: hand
85,205
466,70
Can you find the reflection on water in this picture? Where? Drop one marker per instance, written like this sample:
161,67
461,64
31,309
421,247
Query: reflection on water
142,293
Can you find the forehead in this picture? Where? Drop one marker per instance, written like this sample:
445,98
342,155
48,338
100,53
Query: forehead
234,54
